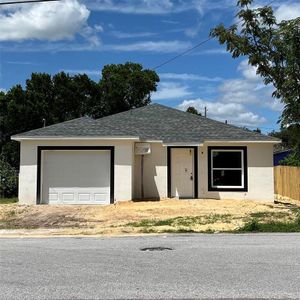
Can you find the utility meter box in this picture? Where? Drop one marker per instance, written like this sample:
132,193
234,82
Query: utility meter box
142,148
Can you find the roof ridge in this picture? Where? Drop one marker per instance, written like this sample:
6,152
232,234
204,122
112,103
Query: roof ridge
125,112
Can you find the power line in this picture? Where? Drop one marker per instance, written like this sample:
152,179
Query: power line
183,53
26,1
196,46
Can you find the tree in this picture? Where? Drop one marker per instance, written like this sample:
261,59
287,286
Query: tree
290,137
124,86
63,97
8,179
272,47
257,130
193,110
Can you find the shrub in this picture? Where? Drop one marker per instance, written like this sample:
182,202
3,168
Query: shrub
8,179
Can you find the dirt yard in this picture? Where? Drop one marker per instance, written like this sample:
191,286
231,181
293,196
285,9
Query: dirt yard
139,217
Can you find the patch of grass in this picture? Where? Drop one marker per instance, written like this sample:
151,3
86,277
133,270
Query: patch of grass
268,214
8,200
183,221
273,226
10,225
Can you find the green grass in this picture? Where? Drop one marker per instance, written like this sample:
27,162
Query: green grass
182,221
8,200
268,214
273,226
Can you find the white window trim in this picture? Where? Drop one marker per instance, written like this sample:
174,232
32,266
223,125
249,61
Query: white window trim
224,169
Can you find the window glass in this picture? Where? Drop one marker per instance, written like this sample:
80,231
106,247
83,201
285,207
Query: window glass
227,159
227,177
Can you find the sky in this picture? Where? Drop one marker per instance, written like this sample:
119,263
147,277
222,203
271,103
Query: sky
83,36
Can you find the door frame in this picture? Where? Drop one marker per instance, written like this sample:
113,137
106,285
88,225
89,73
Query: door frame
65,148
169,163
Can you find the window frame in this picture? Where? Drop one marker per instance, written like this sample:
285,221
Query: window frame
243,169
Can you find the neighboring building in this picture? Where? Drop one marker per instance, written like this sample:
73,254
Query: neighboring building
87,161
280,155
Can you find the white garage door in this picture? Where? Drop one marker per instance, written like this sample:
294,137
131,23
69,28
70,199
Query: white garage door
76,177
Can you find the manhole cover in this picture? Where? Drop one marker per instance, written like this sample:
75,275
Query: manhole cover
156,249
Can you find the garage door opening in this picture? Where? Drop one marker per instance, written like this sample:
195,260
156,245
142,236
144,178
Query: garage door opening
76,176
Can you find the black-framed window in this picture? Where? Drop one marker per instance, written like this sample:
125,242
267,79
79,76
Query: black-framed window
227,169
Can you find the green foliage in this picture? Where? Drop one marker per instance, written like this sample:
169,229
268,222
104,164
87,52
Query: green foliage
193,110
8,179
257,130
272,226
290,137
183,221
293,159
63,97
124,86
8,200
270,46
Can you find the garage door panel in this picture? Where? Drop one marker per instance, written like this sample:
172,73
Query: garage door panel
84,197
76,177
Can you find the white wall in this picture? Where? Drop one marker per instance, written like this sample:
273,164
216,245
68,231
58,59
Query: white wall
28,166
260,173
128,173
155,173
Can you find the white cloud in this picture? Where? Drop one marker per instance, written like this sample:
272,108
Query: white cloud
171,22
188,77
287,11
50,21
157,7
90,45
150,46
234,113
249,89
17,62
213,51
248,71
193,31
170,90
235,97
130,35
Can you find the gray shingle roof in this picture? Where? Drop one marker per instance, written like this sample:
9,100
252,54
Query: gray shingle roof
152,122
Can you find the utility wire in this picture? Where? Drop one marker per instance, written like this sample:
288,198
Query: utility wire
196,46
183,53
26,1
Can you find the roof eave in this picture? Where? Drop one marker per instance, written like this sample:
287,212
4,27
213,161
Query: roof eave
47,138
243,141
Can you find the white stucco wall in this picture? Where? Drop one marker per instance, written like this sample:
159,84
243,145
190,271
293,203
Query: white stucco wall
28,166
155,173
260,173
128,172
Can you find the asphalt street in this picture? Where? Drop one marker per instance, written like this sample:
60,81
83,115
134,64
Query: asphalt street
198,267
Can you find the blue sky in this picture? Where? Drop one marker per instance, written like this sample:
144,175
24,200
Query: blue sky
82,36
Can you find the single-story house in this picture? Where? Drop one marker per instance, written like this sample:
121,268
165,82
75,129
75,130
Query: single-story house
149,152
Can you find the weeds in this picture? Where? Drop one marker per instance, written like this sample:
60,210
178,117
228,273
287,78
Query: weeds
8,200
183,221
273,226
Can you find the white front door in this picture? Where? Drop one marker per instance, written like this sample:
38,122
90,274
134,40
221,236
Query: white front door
182,172
76,177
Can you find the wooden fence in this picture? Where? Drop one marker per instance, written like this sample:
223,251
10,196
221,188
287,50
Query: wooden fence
287,182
